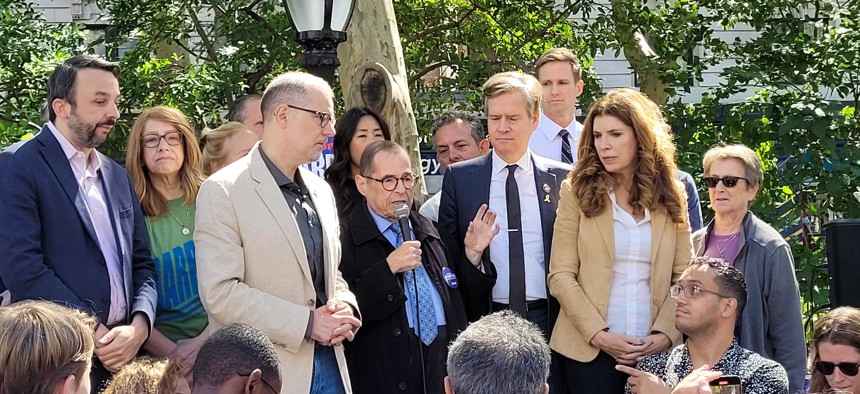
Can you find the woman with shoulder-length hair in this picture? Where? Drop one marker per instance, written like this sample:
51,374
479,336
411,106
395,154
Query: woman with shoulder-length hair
45,348
834,352
771,324
621,239
354,130
163,159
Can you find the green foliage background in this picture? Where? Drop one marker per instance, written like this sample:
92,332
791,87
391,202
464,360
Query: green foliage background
804,52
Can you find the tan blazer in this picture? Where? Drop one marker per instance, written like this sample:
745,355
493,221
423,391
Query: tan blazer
252,266
580,274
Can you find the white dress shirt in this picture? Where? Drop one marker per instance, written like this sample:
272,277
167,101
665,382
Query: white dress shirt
430,208
535,262
546,142
87,172
629,310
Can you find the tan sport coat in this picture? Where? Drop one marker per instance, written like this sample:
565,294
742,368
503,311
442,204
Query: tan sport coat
580,274
252,266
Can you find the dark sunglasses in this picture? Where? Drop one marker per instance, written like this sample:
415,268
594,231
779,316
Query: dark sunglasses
728,181
827,368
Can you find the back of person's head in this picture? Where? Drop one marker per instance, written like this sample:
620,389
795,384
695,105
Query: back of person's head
501,353
213,145
147,375
730,280
236,111
45,348
236,350
839,327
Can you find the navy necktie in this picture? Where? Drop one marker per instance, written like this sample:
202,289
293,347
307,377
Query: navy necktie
566,153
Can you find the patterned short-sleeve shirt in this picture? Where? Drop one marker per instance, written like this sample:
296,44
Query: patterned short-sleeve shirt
758,374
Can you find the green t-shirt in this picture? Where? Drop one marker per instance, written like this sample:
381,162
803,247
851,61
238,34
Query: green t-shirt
180,315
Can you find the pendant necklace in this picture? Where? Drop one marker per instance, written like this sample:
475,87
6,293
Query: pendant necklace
726,242
185,230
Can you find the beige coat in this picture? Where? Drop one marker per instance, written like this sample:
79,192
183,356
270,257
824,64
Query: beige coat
580,274
252,266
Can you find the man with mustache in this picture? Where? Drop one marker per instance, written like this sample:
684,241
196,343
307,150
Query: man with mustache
72,227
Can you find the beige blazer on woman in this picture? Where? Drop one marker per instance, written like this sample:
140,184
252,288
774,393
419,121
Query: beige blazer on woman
580,274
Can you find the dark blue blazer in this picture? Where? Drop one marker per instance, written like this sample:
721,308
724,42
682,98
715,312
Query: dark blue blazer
466,186
49,248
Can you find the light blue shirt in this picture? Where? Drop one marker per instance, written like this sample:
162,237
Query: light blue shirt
384,226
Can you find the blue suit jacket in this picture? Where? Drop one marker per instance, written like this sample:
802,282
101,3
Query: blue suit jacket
50,250
467,185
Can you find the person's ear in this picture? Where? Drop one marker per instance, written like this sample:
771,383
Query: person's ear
484,146
580,86
449,387
254,380
281,115
68,386
730,307
61,107
361,184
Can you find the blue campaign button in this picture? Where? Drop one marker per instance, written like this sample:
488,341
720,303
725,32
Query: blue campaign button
450,278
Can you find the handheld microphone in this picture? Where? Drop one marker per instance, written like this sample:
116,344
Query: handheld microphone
401,212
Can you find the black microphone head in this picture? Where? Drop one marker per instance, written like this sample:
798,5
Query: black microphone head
401,211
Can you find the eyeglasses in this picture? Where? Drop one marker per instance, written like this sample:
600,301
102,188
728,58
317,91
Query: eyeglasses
827,368
692,291
390,183
728,181
152,140
245,375
324,117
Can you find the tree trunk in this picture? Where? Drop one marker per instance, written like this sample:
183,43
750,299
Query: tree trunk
373,74
642,59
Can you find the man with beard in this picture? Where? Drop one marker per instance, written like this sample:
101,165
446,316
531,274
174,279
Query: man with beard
72,227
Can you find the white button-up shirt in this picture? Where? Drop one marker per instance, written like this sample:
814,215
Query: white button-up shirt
629,310
546,142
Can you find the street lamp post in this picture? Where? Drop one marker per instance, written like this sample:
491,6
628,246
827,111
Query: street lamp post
320,27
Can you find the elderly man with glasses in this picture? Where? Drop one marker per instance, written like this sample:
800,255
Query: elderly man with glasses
401,272
710,295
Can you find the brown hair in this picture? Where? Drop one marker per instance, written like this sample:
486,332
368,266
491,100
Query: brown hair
655,184
42,344
560,55
190,174
513,81
212,143
840,327
146,375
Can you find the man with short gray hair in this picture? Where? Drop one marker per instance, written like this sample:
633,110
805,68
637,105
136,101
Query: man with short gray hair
501,353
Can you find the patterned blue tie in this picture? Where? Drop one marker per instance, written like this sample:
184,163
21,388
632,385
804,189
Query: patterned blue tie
426,312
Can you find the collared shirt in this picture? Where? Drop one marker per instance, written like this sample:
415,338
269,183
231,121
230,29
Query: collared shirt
546,142
758,374
629,310
87,171
302,206
535,261
384,226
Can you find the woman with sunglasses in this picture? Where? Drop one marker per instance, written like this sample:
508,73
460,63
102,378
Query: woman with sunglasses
771,323
354,130
163,160
835,352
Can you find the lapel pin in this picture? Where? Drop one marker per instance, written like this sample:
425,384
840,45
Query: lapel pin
546,188
546,198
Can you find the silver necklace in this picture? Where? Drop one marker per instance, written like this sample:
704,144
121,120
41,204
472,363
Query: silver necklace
185,230
726,242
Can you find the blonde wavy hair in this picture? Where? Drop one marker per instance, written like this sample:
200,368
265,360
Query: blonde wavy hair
190,174
213,141
42,344
655,184
146,375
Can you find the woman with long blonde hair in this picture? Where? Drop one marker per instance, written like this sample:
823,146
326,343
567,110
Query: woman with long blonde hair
621,239
163,159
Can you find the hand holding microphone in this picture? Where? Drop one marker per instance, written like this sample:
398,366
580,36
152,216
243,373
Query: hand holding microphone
407,256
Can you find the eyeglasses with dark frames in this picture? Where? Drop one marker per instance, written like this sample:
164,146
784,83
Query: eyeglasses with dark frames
173,138
728,181
245,375
324,117
692,291
390,183
827,368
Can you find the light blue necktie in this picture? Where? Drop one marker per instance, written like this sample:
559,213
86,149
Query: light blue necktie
426,312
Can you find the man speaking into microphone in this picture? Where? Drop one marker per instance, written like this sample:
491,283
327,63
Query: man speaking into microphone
399,271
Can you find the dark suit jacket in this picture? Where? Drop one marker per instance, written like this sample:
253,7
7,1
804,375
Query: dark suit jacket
466,186
50,250
384,355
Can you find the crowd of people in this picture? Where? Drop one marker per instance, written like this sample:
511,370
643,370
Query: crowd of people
558,257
